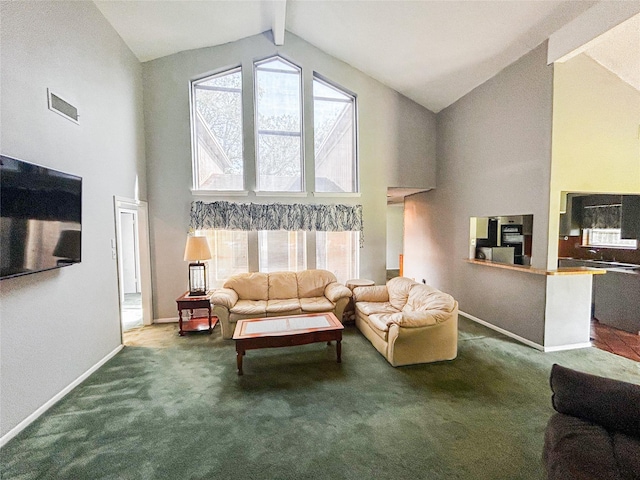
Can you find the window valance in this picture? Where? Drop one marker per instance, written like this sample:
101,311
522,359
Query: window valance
602,216
276,216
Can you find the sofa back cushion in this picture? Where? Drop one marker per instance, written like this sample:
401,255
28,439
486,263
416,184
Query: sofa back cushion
399,288
423,298
250,286
283,285
311,283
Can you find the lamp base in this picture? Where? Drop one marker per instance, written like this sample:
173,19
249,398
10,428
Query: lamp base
197,293
197,279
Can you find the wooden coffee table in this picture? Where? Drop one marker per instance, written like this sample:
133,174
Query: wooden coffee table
286,331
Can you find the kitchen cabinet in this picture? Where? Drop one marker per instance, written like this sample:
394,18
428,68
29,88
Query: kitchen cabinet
630,222
615,301
571,220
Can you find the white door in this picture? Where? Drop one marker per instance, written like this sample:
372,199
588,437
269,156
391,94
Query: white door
129,244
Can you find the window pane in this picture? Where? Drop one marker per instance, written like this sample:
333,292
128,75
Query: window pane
280,250
606,237
229,252
218,132
339,253
334,139
279,126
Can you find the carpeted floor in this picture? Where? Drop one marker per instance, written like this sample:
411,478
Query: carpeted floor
173,407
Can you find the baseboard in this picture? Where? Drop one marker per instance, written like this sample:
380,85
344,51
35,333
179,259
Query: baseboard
50,403
166,320
529,343
503,331
572,346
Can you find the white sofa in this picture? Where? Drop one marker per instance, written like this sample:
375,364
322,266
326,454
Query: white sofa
257,294
408,322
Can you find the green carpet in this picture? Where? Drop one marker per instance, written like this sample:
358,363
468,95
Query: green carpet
173,407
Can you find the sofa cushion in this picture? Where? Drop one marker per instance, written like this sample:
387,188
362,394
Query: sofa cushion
399,288
371,308
382,321
311,283
627,452
427,306
283,285
250,307
611,403
379,324
283,305
316,304
575,449
250,286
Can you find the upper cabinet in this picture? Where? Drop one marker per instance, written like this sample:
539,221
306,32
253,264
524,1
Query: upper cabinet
630,221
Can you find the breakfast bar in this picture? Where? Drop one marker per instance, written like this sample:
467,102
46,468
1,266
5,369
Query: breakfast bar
561,319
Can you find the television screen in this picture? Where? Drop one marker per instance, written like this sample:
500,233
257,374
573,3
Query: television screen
40,218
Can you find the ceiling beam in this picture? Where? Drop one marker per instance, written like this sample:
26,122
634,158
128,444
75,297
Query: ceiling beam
279,17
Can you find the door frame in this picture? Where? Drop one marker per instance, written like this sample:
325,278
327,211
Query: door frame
141,209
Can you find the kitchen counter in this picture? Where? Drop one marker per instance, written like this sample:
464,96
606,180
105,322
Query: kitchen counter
615,296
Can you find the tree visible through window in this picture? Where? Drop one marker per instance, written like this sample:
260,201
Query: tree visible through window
217,131
279,126
334,139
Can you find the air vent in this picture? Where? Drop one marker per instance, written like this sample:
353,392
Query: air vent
58,105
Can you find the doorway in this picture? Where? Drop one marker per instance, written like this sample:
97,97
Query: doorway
133,262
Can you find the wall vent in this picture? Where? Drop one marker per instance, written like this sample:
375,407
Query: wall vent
58,105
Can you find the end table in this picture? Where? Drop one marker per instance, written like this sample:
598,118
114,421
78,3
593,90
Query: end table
195,324
349,315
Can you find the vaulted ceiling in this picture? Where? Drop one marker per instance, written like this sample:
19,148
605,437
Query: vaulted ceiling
433,52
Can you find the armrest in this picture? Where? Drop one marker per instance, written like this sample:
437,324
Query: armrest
225,297
335,291
375,293
613,404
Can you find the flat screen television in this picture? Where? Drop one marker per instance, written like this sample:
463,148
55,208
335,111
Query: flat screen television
40,218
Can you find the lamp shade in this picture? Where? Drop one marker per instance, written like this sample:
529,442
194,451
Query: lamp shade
196,249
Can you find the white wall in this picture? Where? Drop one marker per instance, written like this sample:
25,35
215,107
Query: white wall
395,235
56,325
382,113
493,159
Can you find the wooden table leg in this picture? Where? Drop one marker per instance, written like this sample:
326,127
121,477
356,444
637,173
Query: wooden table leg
239,355
180,332
339,350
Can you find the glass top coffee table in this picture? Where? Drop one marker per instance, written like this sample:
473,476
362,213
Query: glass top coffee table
271,332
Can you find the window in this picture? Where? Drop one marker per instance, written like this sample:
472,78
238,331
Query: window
217,132
339,253
334,139
229,254
606,237
278,126
280,250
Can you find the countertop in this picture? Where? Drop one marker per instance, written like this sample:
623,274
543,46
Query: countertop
539,271
609,266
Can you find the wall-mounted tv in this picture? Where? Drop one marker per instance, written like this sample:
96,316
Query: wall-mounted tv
40,218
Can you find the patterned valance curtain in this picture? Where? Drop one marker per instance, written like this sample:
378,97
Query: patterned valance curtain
602,216
276,216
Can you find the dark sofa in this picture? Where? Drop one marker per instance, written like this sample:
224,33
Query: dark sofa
596,432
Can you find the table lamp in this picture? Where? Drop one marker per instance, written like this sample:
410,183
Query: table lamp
196,250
